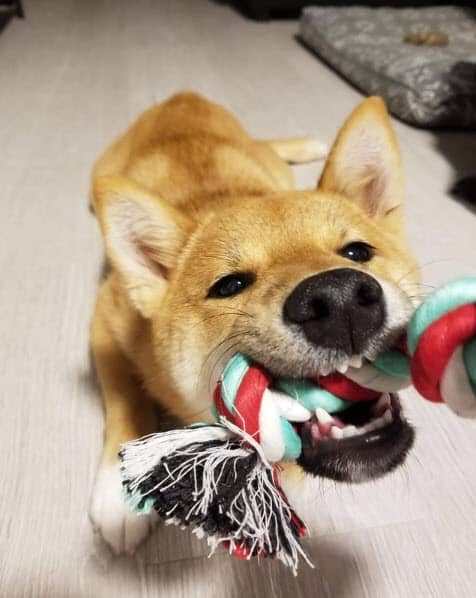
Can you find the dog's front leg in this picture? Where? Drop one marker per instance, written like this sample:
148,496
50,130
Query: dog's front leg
128,415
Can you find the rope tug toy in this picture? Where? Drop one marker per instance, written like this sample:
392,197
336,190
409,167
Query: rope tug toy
222,478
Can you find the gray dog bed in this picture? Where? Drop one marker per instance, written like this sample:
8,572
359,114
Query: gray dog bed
424,85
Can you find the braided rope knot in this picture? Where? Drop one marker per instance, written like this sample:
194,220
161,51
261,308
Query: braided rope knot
268,409
442,345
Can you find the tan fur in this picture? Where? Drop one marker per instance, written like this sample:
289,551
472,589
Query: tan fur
184,197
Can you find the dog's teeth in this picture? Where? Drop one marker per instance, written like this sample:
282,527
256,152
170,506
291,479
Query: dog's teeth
371,355
315,433
349,431
379,422
371,426
356,361
382,404
328,427
375,424
336,433
388,416
336,421
324,421
343,367
323,416
325,370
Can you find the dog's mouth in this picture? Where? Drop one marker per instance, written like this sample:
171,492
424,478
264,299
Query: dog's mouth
365,441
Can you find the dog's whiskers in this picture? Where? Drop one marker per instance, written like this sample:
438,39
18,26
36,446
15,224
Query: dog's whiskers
421,267
240,333
237,313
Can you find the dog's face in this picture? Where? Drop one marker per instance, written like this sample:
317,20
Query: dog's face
305,283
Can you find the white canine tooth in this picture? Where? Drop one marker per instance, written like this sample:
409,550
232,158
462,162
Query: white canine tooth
349,431
336,433
355,361
343,367
323,416
388,417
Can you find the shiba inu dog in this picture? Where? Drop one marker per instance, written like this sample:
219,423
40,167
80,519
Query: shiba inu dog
212,252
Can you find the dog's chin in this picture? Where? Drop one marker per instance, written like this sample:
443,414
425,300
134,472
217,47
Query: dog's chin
371,443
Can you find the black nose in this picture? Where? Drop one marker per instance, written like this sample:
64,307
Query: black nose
338,309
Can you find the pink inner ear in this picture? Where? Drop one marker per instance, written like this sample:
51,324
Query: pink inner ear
373,191
148,255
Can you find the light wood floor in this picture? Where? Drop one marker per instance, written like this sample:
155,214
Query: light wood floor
71,77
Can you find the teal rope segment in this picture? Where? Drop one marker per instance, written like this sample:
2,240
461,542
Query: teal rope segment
292,442
394,364
134,500
232,377
310,396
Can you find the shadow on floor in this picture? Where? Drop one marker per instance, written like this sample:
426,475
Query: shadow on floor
335,574
264,10
8,10
459,149
258,10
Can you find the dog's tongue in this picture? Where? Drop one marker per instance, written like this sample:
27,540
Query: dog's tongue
345,388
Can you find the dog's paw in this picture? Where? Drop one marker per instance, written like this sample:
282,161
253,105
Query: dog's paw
112,518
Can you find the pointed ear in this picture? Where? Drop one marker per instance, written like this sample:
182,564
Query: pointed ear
365,163
143,236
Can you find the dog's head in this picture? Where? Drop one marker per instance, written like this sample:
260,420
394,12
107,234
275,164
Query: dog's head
302,282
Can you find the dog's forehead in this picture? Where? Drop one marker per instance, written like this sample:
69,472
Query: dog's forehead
284,210
279,227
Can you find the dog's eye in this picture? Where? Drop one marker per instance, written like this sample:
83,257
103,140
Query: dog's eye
358,251
230,285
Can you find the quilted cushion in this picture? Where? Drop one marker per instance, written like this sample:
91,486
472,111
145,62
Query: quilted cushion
424,85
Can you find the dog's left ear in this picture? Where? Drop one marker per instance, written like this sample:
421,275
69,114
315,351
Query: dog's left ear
144,236
365,163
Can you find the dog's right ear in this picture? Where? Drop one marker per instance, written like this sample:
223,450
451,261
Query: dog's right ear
365,165
143,236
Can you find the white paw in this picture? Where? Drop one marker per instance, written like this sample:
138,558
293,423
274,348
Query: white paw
112,518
